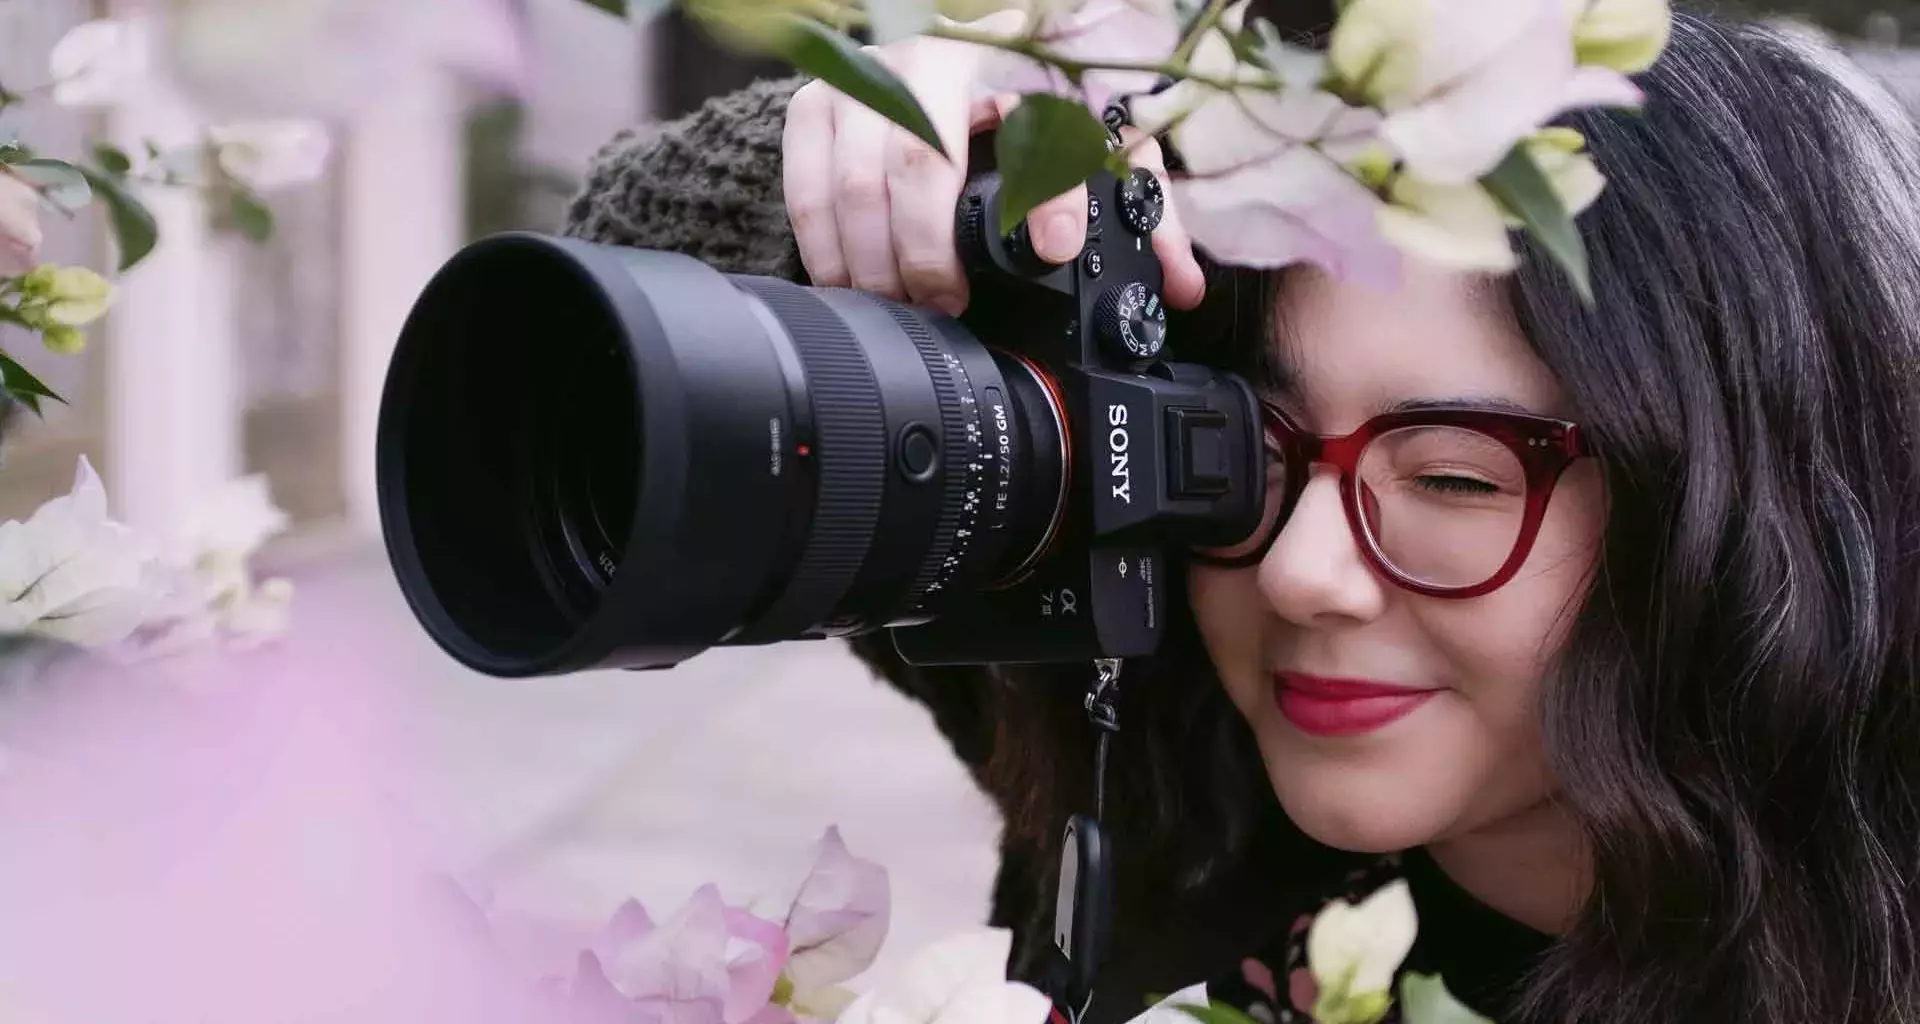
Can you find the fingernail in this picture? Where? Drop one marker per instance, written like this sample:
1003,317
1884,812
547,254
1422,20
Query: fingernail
951,305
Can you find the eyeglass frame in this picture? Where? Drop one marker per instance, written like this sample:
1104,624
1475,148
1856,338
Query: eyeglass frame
1545,447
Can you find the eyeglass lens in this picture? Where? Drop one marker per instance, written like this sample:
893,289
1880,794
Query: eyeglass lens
1442,505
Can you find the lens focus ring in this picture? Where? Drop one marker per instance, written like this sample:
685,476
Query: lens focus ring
851,431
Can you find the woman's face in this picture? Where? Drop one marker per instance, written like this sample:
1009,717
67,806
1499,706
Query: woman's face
1468,755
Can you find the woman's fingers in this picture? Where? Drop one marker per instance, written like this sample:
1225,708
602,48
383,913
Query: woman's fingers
1185,284
863,211
923,186
1058,226
807,178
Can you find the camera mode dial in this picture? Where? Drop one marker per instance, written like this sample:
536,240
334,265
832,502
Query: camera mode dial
1142,201
1131,322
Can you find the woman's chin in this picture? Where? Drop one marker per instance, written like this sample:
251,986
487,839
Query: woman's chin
1352,818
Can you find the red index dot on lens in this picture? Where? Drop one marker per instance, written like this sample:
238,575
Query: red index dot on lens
804,450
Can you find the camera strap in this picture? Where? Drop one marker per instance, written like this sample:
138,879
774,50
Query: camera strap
1082,916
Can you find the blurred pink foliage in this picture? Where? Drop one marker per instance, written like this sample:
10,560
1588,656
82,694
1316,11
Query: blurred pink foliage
227,841
229,856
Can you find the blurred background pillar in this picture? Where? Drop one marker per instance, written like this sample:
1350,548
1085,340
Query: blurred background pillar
403,214
172,370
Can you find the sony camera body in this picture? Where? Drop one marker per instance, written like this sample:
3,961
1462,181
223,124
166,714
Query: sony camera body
1156,453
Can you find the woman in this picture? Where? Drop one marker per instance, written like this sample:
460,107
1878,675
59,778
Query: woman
1663,768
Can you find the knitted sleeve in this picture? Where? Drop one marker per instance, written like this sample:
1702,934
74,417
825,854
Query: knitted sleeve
707,185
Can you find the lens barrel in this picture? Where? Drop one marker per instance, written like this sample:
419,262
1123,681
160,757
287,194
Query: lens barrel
598,456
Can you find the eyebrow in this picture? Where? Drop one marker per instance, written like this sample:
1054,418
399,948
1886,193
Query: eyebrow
1283,384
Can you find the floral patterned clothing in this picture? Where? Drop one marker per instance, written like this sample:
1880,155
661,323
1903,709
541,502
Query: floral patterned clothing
1480,954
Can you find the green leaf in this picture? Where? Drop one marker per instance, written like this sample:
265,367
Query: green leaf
614,7
1424,999
1047,145
135,232
838,61
63,184
1214,1013
24,386
250,215
112,159
14,151
1524,190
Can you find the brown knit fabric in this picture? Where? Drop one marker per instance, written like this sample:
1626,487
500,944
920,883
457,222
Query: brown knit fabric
707,185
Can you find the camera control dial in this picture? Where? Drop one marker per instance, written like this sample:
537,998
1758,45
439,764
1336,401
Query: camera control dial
1141,200
1131,323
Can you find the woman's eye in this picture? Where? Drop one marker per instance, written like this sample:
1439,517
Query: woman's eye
1447,484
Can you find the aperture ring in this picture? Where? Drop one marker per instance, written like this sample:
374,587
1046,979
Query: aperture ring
962,443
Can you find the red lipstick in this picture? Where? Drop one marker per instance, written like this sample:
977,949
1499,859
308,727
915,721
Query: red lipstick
1319,706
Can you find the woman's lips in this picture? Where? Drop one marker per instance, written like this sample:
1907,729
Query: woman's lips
1319,706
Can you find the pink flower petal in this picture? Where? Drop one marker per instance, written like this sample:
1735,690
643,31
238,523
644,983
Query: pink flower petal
839,919
20,234
629,923
682,961
756,955
1111,30
1298,208
1260,976
1302,990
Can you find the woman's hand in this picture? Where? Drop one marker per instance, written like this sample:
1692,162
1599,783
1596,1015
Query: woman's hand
872,206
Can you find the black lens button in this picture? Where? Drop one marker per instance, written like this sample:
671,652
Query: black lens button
1197,443
919,454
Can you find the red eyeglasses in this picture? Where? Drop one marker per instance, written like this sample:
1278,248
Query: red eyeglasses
1443,502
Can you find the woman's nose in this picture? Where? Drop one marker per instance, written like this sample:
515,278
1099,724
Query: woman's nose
1315,575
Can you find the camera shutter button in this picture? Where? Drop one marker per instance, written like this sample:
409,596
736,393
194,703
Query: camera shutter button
1131,323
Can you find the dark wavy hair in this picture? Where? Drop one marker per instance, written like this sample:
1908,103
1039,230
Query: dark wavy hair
1734,718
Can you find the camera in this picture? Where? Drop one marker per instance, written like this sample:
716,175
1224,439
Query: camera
601,456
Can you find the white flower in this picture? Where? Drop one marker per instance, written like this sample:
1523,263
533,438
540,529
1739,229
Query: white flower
1458,226
274,154
98,62
236,519
1462,84
1353,952
1170,1010
1625,35
66,296
1562,157
70,573
20,234
214,582
327,58
960,980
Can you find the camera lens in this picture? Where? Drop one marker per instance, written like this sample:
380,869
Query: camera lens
599,456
